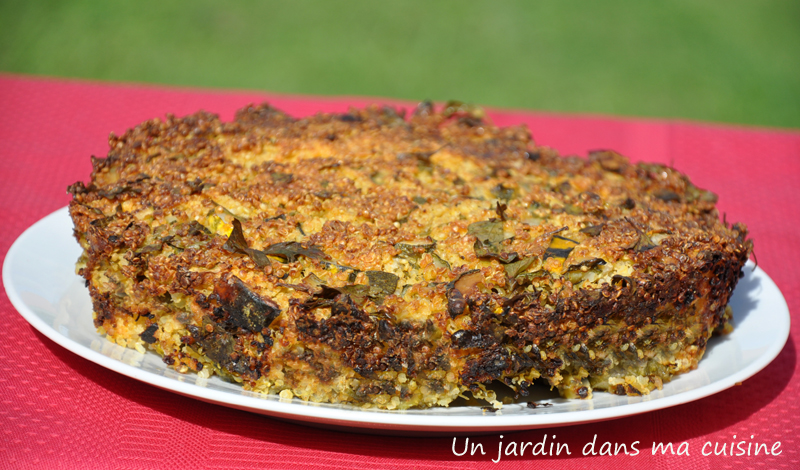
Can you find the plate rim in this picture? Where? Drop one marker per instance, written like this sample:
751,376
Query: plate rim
355,419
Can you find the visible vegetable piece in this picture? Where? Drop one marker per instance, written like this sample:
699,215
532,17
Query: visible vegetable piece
380,285
560,247
644,243
590,263
456,303
457,108
405,289
667,195
386,283
419,200
245,308
276,217
286,251
487,231
593,230
196,228
237,244
557,252
484,250
149,249
578,272
624,281
501,192
258,257
693,193
289,251
117,190
534,275
608,160
218,344
297,287
147,334
313,281
500,209
468,280
489,234
533,221
196,186
515,268
341,267
413,250
102,222
439,262
357,290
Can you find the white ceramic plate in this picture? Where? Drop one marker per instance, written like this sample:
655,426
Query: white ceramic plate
39,278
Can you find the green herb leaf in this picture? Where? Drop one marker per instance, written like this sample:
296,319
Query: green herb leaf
484,250
286,251
236,243
501,192
439,262
487,231
667,195
644,243
281,178
608,160
385,283
515,268
289,251
590,263
358,290
592,230
412,250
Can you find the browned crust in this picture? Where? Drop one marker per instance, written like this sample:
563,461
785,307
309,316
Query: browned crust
287,173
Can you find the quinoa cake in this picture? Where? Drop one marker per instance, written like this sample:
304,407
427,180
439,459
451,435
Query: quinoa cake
386,261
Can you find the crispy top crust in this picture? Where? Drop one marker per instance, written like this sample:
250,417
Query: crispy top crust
401,241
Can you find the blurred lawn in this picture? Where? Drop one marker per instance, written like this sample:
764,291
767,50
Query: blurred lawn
733,61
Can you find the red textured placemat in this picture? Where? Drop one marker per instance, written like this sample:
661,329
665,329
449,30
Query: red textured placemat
58,410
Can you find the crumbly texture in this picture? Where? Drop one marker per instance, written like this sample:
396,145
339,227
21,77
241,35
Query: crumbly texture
383,261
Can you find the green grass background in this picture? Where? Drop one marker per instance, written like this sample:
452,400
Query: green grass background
727,61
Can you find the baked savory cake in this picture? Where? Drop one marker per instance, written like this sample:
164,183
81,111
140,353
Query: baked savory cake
383,261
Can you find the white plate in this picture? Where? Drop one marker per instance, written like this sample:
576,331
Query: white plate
39,278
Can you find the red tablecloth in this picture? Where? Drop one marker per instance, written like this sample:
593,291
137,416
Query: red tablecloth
58,410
